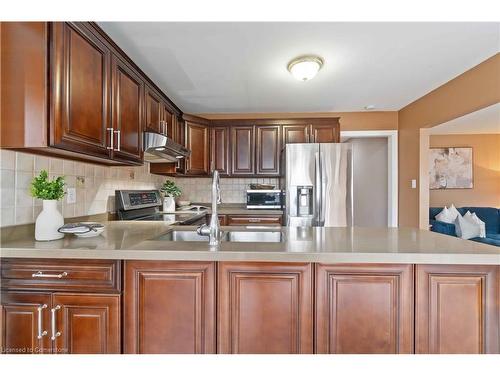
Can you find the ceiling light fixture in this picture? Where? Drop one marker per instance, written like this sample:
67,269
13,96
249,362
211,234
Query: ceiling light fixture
305,68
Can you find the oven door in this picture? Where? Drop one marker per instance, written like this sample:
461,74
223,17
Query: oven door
264,199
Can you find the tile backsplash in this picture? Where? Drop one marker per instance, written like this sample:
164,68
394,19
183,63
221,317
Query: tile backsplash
95,185
232,189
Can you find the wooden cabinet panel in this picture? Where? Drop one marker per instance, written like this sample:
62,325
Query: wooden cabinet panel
62,274
457,309
296,134
253,220
128,94
268,149
325,133
197,141
222,219
219,149
25,323
364,309
265,308
153,109
169,307
88,323
242,151
80,91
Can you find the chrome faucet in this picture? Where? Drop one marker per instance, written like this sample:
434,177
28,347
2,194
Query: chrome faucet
213,230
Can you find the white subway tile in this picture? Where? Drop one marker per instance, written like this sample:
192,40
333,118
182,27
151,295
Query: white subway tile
7,217
8,197
23,179
56,166
7,159
24,162
68,167
24,215
23,198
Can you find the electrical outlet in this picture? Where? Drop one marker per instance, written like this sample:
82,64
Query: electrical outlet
70,195
413,184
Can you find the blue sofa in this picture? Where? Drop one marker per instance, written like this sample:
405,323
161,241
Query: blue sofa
490,216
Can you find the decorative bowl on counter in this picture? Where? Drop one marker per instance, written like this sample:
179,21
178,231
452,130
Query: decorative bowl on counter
83,229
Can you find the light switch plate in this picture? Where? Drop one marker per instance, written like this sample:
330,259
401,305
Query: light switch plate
413,184
70,195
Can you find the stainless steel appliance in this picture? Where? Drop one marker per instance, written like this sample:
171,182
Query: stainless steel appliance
318,181
264,199
145,205
159,148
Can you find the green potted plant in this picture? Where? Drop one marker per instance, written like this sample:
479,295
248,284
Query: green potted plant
171,191
50,219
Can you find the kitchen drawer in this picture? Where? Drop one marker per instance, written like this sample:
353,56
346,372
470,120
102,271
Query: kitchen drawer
61,274
253,220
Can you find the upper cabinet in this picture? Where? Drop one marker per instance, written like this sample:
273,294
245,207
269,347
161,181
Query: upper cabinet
296,134
325,133
243,150
80,91
197,140
88,100
128,94
153,110
219,149
268,147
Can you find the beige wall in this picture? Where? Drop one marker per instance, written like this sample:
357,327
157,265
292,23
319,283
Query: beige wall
477,88
486,172
372,120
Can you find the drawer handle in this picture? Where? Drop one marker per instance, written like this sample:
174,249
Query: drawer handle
50,275
41,333
53,323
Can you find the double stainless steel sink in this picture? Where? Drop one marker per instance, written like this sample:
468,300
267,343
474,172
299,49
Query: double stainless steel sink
229,236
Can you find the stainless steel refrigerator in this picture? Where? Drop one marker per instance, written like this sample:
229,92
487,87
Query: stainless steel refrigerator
318,184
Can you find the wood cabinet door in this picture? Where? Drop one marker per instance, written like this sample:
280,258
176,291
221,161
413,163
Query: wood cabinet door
268,149
265,308
169,307
167,121
364,309
457,309
326,133
253,220
242,150
296,134
80,92
128,94
219,149
198,142
153,109
25,323
87,323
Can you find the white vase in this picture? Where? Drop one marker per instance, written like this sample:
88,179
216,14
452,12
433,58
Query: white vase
48,222
168,204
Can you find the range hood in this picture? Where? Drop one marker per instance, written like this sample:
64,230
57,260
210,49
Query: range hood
159,148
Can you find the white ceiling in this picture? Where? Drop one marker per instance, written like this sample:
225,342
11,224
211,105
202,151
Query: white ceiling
241,67
484,121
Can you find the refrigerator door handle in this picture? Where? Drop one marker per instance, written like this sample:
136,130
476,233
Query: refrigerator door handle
318,191
324,182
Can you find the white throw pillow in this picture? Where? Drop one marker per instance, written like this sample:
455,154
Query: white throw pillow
466,229
453,212
445,216
481,223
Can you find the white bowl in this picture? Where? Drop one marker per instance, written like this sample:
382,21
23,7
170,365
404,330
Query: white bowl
93,233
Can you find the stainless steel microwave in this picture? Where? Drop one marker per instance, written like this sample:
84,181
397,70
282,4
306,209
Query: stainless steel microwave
264,199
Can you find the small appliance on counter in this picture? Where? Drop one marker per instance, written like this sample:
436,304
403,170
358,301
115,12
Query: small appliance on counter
265,199
145,205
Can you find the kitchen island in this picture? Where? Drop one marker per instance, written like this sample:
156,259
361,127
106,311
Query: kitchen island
304,290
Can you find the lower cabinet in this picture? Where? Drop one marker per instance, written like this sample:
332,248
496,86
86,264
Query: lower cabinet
72,323
457,309
253,220
169,307
25,323
364,308
265,308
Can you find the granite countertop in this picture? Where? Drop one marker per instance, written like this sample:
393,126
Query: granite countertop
138,240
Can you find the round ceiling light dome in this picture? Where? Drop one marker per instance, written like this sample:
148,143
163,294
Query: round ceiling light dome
305,68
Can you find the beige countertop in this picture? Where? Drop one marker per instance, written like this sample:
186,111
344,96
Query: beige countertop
138,240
